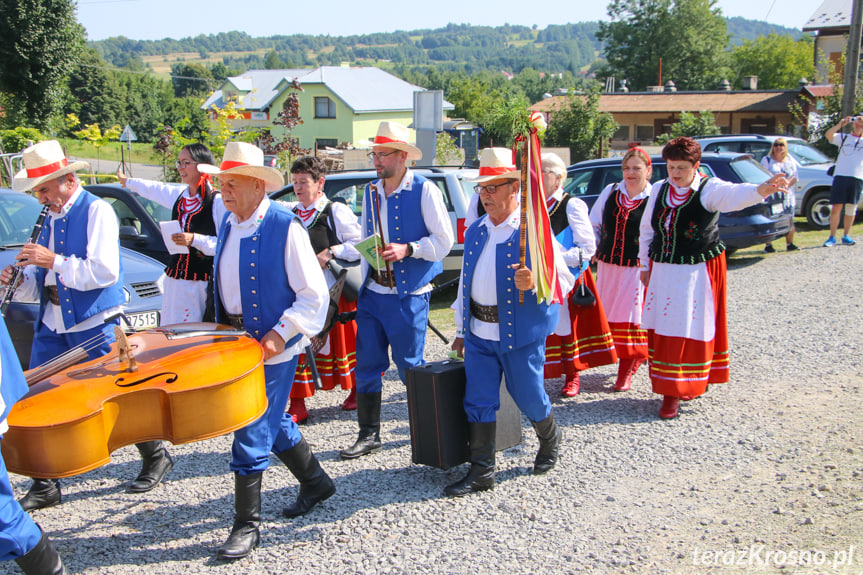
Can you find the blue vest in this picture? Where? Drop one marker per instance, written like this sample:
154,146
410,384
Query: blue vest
13,386
262,263
405,224
70,239
520,324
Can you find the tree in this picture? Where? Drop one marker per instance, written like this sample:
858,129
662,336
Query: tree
779,61
689,36
41,42
273,62
96,96
691,125
190,79
98,138
580,126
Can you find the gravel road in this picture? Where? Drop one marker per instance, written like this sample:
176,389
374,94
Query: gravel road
762,474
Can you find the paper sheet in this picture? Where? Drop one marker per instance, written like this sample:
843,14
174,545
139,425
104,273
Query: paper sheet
168,229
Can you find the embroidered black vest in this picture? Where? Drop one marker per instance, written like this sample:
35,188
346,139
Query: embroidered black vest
320,234
687,234
557,217
618,242
195,265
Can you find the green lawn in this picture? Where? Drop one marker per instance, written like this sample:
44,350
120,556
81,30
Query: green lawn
141,153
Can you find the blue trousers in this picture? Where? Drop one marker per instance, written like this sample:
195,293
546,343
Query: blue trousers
274,431
49,344
389,321
523,368
18,533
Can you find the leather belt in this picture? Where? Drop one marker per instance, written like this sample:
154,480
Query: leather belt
486,313
236,321
382,278
51,294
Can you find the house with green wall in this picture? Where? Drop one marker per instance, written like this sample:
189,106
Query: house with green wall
337,104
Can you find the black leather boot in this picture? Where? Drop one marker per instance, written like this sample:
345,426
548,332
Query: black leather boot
43,493
481,474
315,484
245,534
156,463
43,559
369,419
549,435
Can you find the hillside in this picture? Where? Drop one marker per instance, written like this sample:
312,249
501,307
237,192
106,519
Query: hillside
557,48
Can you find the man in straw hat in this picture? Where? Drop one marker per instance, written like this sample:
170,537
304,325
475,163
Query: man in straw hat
268,282
497,334
408,211
74,270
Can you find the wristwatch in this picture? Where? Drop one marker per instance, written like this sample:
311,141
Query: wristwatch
410,249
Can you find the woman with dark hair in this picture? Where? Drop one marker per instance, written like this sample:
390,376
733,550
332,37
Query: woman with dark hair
616,217
199,210
683,266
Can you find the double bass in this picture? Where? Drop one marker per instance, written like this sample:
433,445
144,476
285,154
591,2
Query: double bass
181,383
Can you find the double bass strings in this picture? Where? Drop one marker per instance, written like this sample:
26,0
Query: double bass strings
65,359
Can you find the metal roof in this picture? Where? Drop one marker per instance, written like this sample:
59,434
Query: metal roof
831,14
674,102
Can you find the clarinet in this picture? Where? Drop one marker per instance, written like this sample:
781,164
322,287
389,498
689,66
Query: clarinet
16,271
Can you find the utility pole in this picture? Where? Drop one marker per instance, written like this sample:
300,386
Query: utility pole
852,59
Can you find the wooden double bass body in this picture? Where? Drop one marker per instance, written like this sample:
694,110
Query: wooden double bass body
193,382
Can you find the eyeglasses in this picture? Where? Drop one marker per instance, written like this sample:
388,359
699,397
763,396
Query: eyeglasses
183,164
489,189
778,145
380,155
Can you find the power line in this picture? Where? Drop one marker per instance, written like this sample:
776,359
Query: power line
124,71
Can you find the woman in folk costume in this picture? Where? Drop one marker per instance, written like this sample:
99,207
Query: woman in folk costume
333,230
582,338
616,217
199,210
683,267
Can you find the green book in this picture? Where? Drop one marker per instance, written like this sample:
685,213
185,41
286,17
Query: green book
370,249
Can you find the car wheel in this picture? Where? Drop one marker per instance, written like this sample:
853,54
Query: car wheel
818,210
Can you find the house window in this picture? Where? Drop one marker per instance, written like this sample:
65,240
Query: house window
321,143
644,133
325,108
622,133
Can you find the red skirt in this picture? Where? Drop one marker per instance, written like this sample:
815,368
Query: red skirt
589,343
335,368
681,366
630,340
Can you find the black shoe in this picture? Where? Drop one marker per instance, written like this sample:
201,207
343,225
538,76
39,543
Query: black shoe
481,474
43,559
245,534
369,419
43,493
156,465
315,484
769,249
791,248
549,435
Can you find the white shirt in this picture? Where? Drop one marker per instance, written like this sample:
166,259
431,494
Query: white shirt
598,210
717,196
583,240
98,270
433,247
849,161
308,312
167,194
483,289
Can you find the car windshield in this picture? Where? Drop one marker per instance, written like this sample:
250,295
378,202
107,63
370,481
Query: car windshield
750,171
159,212
805,154
18,214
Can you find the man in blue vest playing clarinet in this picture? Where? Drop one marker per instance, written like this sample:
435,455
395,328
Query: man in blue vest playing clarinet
495,333
408,211
74,270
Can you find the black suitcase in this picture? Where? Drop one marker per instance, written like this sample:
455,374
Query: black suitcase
438,423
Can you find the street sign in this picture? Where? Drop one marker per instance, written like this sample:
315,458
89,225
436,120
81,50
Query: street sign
128,135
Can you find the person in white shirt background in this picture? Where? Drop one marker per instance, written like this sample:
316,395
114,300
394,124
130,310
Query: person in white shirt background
847,177
779,161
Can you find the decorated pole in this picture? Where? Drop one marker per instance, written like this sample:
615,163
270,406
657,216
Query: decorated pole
525,186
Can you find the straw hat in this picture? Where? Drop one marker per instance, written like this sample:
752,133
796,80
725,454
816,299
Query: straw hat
42,162
393,135
495,163
246,160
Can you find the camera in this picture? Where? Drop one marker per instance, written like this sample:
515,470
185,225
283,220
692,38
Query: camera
855,118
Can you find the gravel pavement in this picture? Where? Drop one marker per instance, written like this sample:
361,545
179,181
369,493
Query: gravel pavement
762,474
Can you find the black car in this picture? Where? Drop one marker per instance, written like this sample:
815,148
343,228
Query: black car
139,220
758,224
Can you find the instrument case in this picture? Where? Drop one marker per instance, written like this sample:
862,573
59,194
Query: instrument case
438,422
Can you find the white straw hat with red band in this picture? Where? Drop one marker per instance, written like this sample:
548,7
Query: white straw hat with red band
245,159
42,162
393,135
495,163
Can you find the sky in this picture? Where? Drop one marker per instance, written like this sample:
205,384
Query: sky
156,19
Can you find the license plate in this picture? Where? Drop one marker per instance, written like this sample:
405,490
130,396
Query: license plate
144,319
776,209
